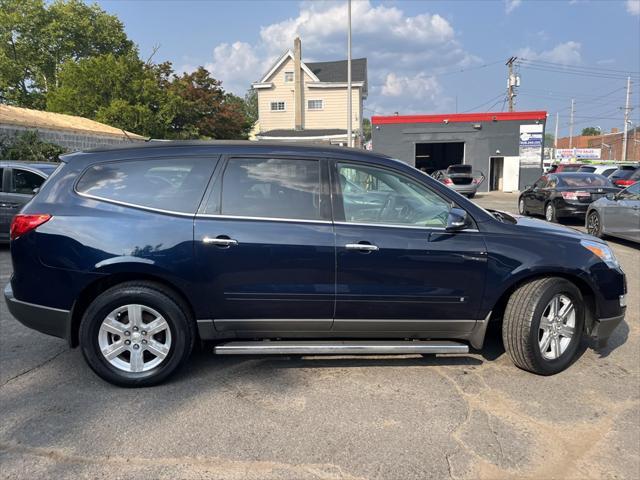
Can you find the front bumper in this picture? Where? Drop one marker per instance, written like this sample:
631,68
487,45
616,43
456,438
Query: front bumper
52,321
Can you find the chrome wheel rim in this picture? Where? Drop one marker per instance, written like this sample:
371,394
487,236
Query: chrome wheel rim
593,224
549,213
521,206
134,338
557,327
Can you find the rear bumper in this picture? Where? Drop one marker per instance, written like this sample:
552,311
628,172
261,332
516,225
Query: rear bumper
572,209
51,321
464,189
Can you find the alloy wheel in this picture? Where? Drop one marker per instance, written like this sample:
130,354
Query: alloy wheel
134,338
593,224
549,213
557,327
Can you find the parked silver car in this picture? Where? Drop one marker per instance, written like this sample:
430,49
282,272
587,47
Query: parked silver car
460,178
617,215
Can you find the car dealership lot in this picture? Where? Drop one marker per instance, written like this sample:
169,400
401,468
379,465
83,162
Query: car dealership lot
466,416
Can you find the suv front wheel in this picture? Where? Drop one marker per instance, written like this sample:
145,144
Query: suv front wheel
136,334
543,324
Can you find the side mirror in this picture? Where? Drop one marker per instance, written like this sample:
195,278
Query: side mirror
610,196
457,220
36,190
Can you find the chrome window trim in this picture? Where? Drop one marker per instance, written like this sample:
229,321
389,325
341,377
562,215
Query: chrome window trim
413,227
268,219
133,205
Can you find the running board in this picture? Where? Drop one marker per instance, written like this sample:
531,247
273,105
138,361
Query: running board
328,347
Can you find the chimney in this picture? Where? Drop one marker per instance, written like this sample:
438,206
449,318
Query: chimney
297,82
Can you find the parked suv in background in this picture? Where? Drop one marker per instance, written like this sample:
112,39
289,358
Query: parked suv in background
134,253
19,181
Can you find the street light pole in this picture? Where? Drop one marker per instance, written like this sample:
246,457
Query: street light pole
349,93
626,121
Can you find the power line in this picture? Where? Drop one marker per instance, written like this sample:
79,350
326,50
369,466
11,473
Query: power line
579,73
485,103
581,67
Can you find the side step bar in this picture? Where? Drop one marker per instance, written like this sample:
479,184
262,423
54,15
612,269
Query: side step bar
347,347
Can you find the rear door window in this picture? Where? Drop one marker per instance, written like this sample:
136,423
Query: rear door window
271,188
24,181
169,184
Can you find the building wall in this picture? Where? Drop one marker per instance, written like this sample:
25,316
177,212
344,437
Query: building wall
493,139
615,144
71,140
333,115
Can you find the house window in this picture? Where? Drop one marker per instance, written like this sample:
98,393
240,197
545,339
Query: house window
315,104
288,77
278,106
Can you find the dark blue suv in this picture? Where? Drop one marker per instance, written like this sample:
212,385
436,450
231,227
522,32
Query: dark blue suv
136,253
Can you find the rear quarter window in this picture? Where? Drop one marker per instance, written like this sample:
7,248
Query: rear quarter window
174,185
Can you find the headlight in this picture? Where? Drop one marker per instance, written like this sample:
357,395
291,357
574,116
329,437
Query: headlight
601,251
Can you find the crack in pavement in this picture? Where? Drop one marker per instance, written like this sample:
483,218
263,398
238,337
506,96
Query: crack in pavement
240,469
29,370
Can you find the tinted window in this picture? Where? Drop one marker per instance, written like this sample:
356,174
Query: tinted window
273,187
608,172
541,182
622,173
169,184
584,180
570,168
375,195
587,169
1,182
459,169
24,181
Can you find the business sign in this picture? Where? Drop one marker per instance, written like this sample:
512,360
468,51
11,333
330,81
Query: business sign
581,153
531,145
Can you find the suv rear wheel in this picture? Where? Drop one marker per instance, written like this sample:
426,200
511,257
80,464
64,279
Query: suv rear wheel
543,324
136,334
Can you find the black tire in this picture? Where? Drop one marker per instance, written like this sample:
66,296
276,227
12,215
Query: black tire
550,213
471,195
522,207
521,324
155,296
593,224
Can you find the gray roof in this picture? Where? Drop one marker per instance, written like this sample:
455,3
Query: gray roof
337,71
302,133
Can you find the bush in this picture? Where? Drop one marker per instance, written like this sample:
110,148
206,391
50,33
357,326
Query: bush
29,146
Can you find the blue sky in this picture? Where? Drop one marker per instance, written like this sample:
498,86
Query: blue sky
424,56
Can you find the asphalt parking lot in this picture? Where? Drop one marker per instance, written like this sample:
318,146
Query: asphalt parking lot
465,416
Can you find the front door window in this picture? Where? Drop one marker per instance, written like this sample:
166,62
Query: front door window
379,196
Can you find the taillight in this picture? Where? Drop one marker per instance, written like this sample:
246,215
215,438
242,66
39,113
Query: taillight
24,223
574,195
624,183
447,181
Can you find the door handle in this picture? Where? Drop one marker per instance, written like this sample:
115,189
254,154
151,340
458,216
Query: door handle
362,247
221,241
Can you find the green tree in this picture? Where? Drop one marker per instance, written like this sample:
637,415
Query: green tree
549,140
38,38
28,146
366,129
591,131
251,106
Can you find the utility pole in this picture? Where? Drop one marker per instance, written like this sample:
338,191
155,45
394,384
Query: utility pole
349,106
573,107
555,139
512,83
627,110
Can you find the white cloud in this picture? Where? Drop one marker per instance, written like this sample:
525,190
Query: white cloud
511,5
400,49
232,63
567,53
633,7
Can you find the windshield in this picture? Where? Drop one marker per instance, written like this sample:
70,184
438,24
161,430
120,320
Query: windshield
583,180
622,173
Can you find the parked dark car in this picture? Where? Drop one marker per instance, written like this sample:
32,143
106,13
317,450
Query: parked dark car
135,253
18,183
625,175
560,195
460,178
617,215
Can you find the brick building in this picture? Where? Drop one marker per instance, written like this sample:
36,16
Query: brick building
611,144
70,132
